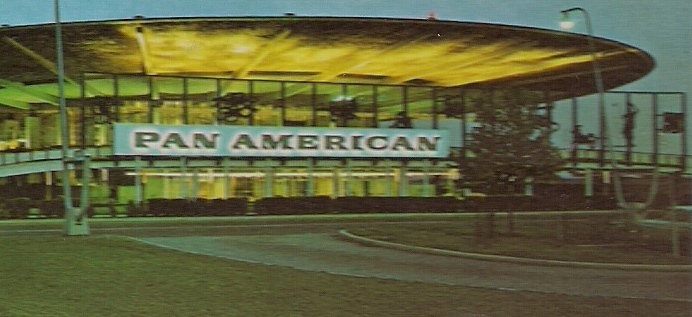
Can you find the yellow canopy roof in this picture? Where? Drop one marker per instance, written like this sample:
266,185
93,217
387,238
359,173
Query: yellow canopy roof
313,49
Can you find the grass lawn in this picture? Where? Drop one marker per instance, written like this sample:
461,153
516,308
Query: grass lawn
593,238
114,276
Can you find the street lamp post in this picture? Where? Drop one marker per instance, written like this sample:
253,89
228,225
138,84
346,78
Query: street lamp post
567,24
75,218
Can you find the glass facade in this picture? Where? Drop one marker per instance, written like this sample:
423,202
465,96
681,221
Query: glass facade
108,99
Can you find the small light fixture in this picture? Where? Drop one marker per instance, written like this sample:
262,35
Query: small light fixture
566,23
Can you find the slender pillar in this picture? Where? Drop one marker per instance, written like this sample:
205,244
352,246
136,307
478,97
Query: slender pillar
183,178
268,180
403,180
75,218
389,180
283,104
349,179
435,110
683,145
588,182
335,183
313,104
186,105
226,179
655,117
426,178
464,119
48,193
374,107
167,187
311,179
138,181
84,128
573,152
195,183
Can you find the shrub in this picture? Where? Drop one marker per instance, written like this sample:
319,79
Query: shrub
18,208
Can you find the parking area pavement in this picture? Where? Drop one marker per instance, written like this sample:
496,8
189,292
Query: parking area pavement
316,246
324,252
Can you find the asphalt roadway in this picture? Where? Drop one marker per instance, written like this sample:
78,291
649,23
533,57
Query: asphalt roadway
319,247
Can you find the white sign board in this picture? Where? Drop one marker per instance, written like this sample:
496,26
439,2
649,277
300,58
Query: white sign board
245,141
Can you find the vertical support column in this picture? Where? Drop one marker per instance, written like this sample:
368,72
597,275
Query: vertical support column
404,100
32,132
426,178
389,180
311,179
573,147
283,103
195,183
75,220
348,180
183,178
374,107
76,216
49,185
464,119
435,110
152,98
628,115
313,103
528,187
84,128
167,187
654,154
450,184
683,110
116,94
588,182
251,94
335,183
138,181
268,180
226,178
185,102
403,180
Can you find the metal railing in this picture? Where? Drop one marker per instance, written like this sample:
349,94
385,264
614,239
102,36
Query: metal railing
585,157
591,156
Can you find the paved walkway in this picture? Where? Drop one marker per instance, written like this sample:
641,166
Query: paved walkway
325,253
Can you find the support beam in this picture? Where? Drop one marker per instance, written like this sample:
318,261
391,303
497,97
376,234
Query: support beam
352,62
48,65
15,104
478,57
47,98
147,68
264,52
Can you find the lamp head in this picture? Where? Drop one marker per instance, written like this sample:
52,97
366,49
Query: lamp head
566,23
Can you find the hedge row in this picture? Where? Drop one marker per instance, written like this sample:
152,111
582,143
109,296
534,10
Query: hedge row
365,205
160,207
19,208
293,206
532,203
353,205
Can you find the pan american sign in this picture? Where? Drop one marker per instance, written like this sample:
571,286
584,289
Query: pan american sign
244,141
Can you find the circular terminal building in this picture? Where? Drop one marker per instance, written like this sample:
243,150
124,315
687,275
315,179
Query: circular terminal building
288,106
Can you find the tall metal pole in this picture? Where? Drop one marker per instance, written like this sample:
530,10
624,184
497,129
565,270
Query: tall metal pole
599,81
75,220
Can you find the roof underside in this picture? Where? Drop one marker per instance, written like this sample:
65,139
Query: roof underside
335,50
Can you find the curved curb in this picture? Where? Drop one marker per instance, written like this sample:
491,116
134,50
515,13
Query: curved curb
502,258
